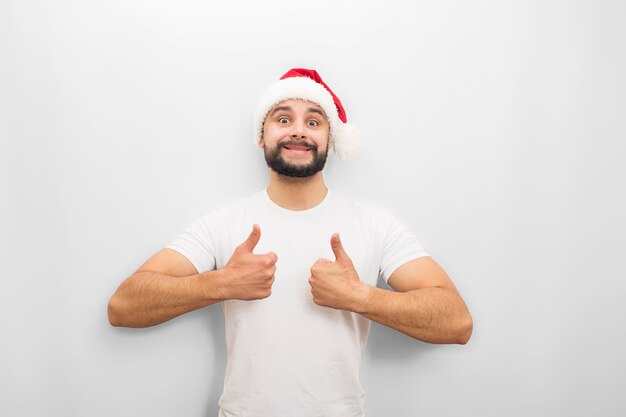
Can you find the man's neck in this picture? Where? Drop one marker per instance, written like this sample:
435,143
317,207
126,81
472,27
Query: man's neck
297,193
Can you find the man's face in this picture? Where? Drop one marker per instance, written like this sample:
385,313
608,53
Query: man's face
295,138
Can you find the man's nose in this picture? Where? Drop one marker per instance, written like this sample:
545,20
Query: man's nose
298,130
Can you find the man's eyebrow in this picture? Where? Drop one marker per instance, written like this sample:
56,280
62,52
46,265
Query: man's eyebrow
287,108
314,110
279,108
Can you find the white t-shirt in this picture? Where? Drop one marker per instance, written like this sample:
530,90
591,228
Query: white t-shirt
287,356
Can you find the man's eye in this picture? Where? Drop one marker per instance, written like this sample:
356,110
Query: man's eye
283,120
313,123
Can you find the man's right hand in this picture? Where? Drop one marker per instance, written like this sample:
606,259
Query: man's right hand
249,276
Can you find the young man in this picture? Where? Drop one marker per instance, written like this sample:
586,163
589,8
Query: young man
296,266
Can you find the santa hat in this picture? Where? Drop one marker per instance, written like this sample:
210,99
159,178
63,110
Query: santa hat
306,84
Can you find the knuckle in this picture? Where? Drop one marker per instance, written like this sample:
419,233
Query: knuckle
315,269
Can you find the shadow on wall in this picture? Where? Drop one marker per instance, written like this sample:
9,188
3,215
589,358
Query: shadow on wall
213,319
215,322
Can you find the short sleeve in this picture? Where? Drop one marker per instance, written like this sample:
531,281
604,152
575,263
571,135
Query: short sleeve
399,245
196,243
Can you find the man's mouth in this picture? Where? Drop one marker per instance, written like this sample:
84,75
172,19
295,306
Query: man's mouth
300,149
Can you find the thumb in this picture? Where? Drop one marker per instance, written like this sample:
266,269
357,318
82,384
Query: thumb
338,250
252,239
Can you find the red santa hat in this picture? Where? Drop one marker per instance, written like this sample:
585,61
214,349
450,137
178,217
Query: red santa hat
306,84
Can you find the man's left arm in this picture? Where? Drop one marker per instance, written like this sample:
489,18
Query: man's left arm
425,305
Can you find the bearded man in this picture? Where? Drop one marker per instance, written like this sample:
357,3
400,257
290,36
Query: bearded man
295,268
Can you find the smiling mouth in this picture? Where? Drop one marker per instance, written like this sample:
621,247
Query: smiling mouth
298,148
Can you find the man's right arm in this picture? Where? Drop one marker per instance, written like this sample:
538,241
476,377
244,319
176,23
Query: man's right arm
165,286
168,285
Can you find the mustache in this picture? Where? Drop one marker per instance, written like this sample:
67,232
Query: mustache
302,144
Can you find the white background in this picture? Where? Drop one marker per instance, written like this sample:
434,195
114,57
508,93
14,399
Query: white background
495,130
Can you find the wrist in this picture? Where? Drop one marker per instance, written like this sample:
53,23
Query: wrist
362,296
212,285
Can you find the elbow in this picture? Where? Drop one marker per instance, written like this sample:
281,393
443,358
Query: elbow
113,312
465,330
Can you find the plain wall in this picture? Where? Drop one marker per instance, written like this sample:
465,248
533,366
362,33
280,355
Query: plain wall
494,130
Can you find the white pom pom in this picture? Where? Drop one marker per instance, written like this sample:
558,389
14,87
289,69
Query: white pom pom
347,142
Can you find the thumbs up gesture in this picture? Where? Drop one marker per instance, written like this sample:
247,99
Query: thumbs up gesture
337,284
248,276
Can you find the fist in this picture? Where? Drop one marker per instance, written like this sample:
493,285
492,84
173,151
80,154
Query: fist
248,276
336,284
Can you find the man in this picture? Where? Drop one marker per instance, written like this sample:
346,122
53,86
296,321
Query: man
296,266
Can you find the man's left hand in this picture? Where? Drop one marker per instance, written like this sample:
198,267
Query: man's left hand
337,284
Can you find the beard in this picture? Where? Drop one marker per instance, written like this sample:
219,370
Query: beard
275,161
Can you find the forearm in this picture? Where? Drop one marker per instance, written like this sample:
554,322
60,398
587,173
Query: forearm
433,315
149,298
